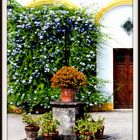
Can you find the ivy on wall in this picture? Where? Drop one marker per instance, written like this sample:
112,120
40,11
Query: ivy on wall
40,41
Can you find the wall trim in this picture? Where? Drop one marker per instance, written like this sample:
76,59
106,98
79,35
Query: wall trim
109,6
35,3
68,3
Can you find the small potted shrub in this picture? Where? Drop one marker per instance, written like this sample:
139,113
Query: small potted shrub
69,80
88,128
100,128
32,125
48,127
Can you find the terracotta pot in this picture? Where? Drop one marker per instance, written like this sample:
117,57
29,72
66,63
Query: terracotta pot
87,134
31,132
99,133
50,136
67,95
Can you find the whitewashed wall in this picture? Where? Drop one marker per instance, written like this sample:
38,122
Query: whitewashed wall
112,22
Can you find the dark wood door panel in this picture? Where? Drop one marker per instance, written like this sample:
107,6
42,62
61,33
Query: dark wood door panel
121,87
123,78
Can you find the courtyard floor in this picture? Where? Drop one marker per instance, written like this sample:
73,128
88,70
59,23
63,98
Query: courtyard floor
118,125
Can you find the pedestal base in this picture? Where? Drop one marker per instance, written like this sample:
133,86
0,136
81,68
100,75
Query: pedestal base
67,114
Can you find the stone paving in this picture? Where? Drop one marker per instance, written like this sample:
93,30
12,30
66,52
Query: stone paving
118,125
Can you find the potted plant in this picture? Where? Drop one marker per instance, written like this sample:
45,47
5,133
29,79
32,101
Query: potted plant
69,80
48,127
100,128
32,125
88,128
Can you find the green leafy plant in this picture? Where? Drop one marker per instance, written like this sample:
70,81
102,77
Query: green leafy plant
40,41
98,99
30,120
47,124
68,77
92,94
87,127
13,4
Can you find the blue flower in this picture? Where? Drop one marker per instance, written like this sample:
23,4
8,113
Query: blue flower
41,37
57,19
23,81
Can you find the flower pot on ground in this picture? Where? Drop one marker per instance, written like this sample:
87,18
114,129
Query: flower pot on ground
99,133
88,128
31,127
48,127
50,135
69,80
31,132
85,136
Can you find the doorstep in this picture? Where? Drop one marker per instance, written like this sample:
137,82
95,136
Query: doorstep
123,110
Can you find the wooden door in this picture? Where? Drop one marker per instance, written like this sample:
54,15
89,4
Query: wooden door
123,78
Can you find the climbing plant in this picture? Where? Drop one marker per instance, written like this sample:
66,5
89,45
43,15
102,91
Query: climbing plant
40,41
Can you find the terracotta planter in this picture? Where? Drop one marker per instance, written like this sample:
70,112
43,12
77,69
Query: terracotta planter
50,136
87,134
31,132
99,133
67,95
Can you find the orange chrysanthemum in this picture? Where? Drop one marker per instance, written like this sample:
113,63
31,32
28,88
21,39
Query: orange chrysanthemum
68,77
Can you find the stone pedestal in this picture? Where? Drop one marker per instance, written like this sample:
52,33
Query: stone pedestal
67,114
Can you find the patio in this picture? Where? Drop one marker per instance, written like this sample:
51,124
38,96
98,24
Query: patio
118,125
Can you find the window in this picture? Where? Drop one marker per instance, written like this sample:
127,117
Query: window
127,26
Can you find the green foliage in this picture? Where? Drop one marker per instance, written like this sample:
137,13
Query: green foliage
88,126
93,95
40,41
47,124
30,120
13,4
